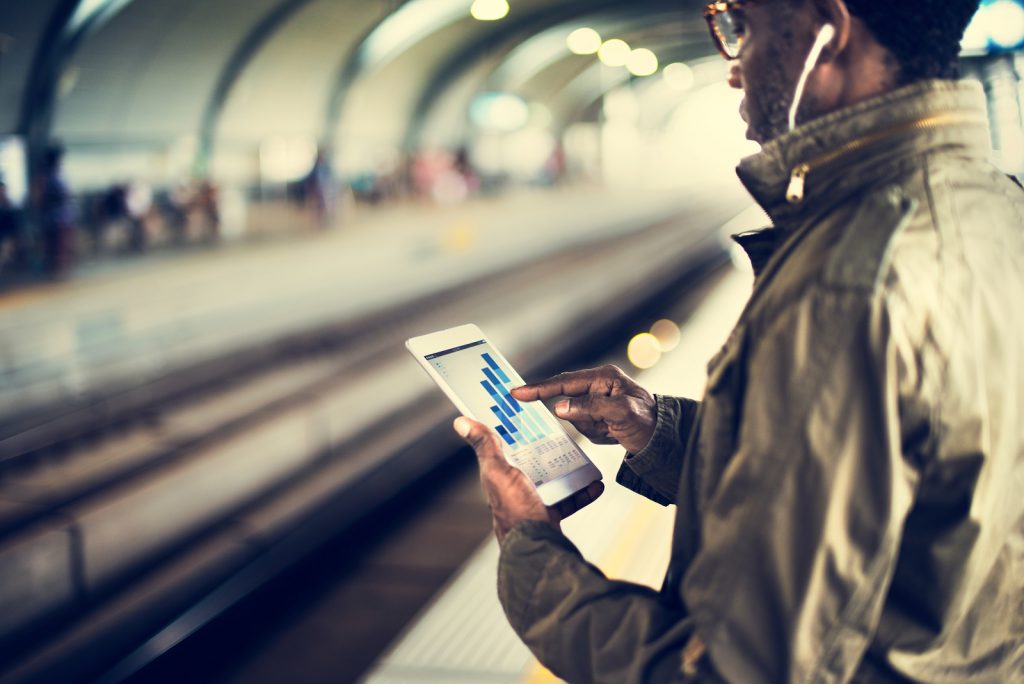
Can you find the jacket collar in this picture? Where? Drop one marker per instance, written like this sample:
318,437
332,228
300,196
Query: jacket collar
848,143
759,246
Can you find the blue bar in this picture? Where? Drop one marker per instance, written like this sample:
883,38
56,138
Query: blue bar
491,376
497,399
531,421
546,419
525,428
504,433
496,367
511,400
504,421
545,425
500,384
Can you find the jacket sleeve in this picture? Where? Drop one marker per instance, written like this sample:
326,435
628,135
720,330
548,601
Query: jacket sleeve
583,627
800,537
654,471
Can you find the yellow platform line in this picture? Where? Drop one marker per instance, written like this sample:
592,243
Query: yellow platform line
27,295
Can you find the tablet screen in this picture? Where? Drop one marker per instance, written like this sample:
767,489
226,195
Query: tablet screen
534,440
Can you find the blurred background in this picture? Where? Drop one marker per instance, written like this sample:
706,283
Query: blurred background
220,220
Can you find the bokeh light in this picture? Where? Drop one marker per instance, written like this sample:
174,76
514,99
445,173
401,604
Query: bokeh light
998,26
667,333
644,351
489,10
499,112
642,62
614,52
584,41
1005,23
287,158
678,76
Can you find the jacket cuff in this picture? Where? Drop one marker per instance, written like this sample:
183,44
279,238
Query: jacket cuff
664,442
653,472
631,481
526,553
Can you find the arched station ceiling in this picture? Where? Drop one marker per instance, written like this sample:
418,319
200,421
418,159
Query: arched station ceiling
233,72
144,77
541,69
290,81
671,40
568,13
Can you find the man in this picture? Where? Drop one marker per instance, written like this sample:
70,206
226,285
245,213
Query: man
56,214
10,227
849,490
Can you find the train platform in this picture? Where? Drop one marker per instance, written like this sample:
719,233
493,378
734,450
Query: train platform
146,319
169,515
463,635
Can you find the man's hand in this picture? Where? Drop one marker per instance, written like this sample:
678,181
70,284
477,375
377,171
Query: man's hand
604,404
510,494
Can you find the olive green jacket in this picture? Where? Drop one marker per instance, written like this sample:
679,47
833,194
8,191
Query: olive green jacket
850,492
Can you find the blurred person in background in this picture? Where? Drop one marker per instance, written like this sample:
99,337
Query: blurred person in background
10,229
206,201
111,209
848,491
138,202
55,211
172,206
319,191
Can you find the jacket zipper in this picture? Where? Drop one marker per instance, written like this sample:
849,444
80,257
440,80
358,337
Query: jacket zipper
798,176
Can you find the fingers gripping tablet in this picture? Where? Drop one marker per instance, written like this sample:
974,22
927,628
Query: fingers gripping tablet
478,380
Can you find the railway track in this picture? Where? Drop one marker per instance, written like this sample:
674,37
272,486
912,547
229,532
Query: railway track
160,507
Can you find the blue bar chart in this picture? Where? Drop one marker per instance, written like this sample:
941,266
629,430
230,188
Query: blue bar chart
517,424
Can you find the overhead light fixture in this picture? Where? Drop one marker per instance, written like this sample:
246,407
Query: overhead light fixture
642,62
614,52
584,41
489,10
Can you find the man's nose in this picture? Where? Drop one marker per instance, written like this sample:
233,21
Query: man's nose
735,75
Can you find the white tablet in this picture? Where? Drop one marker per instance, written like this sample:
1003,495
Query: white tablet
477,379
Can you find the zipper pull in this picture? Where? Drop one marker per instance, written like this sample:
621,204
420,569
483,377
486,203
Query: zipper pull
795,192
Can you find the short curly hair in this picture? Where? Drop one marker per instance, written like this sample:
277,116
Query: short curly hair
923,36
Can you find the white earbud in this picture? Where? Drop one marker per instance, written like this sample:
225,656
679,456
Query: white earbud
825,34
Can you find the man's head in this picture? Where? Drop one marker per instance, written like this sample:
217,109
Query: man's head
878,46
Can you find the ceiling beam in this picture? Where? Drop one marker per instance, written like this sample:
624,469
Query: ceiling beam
233,69
71,22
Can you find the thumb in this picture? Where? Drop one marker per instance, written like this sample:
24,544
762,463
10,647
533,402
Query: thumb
484,441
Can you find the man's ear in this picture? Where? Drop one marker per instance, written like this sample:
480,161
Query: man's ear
835,12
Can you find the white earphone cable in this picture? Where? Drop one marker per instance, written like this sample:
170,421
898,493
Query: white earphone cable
825,34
